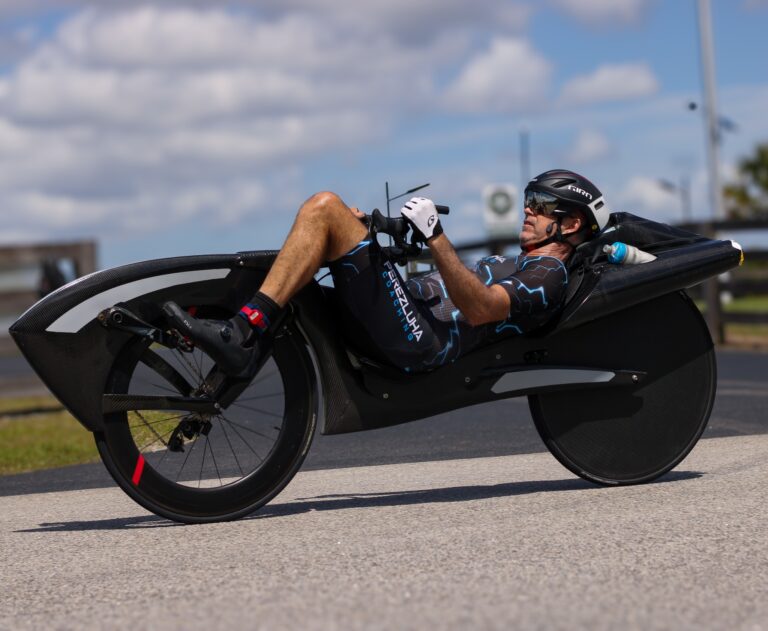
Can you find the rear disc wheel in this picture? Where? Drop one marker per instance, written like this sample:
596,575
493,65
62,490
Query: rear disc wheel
635,433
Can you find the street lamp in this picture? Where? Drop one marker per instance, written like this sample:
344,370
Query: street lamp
706,49
684,190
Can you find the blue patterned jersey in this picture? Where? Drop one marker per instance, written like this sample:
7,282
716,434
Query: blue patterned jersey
536,286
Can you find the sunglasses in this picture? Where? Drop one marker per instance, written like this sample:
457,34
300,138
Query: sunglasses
541,203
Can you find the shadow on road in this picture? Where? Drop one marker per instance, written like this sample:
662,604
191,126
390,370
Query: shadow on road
365,500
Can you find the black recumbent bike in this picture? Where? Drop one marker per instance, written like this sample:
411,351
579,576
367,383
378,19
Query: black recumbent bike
620,383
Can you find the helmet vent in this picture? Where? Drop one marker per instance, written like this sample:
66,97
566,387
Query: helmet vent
599,205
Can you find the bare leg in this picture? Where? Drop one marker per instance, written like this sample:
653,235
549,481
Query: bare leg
325,229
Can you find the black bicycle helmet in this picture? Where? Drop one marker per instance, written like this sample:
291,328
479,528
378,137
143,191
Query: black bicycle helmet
564,192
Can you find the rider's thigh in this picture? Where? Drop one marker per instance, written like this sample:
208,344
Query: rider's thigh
399,328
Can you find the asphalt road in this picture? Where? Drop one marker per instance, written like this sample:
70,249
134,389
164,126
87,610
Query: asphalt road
455,522
492,429
478,543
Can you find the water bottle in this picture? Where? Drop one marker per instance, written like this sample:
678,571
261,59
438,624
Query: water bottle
623,254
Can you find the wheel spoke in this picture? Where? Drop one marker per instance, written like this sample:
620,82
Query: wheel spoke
232,449
263,376
213,456
247,429
160,438
185,364
263,396
247,444
162,420
184,464
152,429
202,462
163,402
259,410
156,363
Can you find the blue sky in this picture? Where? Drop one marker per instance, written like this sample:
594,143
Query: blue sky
167,128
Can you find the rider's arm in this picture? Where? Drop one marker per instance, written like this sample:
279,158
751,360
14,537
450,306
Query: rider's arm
479,304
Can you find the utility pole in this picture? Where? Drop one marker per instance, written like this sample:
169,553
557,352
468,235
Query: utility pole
710,108
706,47
685,197
525,158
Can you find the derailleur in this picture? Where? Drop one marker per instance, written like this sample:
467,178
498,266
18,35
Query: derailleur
189,427
122,319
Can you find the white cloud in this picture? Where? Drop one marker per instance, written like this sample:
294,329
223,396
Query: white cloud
589,146
130,120
404,18
610,82
605,12
510,76
177,66
644,196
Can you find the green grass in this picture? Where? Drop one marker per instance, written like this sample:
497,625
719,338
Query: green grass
41,441
22,404
748,304
754,332
738,332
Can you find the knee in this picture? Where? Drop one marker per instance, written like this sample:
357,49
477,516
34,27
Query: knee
323,203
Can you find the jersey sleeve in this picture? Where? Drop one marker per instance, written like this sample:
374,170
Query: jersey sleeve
536,293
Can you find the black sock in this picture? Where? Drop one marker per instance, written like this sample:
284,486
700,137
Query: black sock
258,314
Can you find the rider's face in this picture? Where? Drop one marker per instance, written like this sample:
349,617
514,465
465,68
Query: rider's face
534,227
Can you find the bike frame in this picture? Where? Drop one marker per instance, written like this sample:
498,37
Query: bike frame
73,351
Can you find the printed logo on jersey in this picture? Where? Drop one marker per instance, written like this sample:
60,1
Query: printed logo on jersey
401,304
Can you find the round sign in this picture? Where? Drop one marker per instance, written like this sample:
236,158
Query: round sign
500,202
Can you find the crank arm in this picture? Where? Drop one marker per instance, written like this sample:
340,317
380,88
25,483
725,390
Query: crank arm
124,320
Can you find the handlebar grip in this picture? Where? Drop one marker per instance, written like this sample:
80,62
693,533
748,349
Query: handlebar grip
442,210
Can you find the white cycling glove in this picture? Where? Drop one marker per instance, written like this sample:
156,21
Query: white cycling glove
422,214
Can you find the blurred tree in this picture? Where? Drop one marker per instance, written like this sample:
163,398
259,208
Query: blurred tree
748,197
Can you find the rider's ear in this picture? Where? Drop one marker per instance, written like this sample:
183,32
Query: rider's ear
572,223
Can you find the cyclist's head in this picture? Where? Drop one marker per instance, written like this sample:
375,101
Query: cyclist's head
559,193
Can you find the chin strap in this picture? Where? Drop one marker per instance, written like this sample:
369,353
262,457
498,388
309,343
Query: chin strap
557,237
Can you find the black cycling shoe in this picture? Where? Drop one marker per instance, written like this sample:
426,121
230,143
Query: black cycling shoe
236,350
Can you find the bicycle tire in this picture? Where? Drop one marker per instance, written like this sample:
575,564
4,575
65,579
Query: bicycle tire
136,445
636,433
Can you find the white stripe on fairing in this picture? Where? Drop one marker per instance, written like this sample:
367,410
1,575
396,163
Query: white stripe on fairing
80,315
525,379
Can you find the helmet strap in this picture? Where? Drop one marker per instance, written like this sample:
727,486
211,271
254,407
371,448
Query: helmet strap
558,237
553,238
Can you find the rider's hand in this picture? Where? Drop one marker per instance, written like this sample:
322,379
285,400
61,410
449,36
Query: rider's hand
422,214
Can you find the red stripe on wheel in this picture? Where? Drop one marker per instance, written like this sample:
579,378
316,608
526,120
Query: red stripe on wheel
138,470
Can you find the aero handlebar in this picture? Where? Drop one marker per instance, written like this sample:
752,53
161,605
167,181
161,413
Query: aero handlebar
397,228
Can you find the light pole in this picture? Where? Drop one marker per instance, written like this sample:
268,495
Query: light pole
710,110
525,158
684,190
711,287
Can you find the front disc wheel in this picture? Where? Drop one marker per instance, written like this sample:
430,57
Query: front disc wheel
206,465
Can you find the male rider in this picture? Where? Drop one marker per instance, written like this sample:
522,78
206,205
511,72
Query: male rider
431,319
